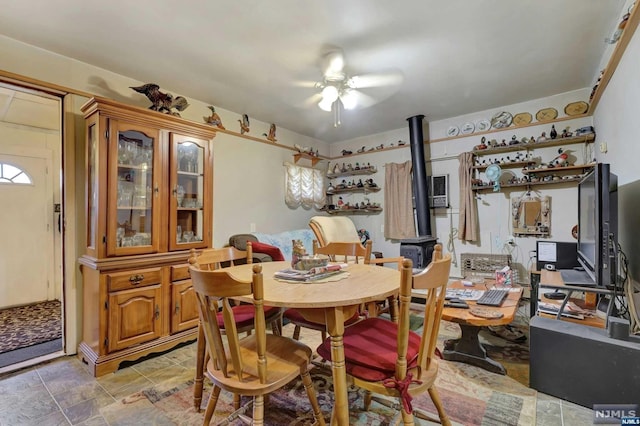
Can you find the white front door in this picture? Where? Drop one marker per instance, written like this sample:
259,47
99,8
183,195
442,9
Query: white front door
27,257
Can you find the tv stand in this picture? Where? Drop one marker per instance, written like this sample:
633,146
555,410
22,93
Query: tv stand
582,364
553,280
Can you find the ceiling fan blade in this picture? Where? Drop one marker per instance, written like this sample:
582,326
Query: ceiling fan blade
363,100
305,84
391,78
311,101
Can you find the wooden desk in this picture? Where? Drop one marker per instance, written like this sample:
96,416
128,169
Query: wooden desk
553,280
468,347
330,303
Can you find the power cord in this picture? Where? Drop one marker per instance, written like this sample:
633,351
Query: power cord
451,247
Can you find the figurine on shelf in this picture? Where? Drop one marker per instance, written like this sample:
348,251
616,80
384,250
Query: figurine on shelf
561,160
483,144
514,140
532,140
214,119
401,143
272,135
361,150
360,184
336,169
381,146
244,124
346,152
553,133
566,133
161,102
542,138
340,203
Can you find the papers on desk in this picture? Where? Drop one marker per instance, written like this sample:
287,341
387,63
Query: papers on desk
313,274
571,310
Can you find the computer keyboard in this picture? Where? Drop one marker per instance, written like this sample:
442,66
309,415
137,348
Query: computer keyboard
493,297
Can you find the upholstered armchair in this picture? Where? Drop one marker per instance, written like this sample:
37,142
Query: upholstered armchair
239,241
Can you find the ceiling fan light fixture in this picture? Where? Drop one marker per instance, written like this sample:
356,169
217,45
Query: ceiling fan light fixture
349,99
325,105
329,93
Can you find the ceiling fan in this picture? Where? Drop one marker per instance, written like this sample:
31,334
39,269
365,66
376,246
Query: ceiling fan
338,89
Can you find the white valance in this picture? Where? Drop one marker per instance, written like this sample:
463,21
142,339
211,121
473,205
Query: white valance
304,187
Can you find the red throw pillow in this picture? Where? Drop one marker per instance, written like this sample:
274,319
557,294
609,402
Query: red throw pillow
272,251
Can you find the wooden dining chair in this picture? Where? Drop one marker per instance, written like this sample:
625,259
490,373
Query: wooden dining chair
389,359
337,252
210,260
256,364
390,306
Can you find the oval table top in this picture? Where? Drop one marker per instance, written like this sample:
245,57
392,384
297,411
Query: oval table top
365,283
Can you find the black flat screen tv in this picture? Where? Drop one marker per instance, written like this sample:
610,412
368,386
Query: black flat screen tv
598,225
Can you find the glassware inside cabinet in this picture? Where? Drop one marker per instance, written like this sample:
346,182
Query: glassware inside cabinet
135,193
189,191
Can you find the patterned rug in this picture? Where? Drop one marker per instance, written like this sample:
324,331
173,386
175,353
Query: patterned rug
470,396
30,325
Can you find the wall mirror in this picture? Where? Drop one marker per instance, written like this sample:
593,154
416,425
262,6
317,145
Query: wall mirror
531,215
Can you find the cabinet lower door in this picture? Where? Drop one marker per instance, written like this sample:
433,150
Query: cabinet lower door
185,306
134,317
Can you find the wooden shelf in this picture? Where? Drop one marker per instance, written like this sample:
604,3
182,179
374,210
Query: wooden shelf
488,132
364,190
525,184
314,158
536,145
367,211
510,165
549,170
360,172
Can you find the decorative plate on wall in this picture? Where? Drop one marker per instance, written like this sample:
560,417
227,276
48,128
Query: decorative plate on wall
501,120
483,125
547,114
576,108
453,131
522,118
467,128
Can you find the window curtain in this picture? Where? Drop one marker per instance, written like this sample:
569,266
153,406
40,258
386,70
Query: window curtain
304,187
468,224
398,206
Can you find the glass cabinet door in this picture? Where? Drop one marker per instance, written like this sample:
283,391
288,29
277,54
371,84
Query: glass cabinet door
189,221
133,226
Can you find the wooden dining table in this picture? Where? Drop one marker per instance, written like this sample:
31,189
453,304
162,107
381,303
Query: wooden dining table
324,302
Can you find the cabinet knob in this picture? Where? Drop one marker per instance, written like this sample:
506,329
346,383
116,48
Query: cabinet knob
136,279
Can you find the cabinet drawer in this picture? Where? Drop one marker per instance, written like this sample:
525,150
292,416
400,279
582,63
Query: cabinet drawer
133,279
180,272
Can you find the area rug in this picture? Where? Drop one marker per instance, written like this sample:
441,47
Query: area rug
30,325
469,395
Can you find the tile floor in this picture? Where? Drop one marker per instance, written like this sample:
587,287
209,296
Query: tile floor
62,392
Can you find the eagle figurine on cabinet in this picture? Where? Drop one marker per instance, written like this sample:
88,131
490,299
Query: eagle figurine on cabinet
214,119
161,102
244,124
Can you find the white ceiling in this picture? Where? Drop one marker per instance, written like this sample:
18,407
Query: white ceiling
253,57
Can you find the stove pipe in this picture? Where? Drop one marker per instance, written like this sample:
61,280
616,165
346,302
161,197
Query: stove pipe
420,185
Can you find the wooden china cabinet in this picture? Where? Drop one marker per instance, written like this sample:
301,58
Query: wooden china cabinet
149,198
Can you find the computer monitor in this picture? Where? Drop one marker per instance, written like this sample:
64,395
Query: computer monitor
598,225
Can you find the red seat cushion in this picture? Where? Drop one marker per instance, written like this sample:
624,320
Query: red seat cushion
244,314
295,316
273,251
371,349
